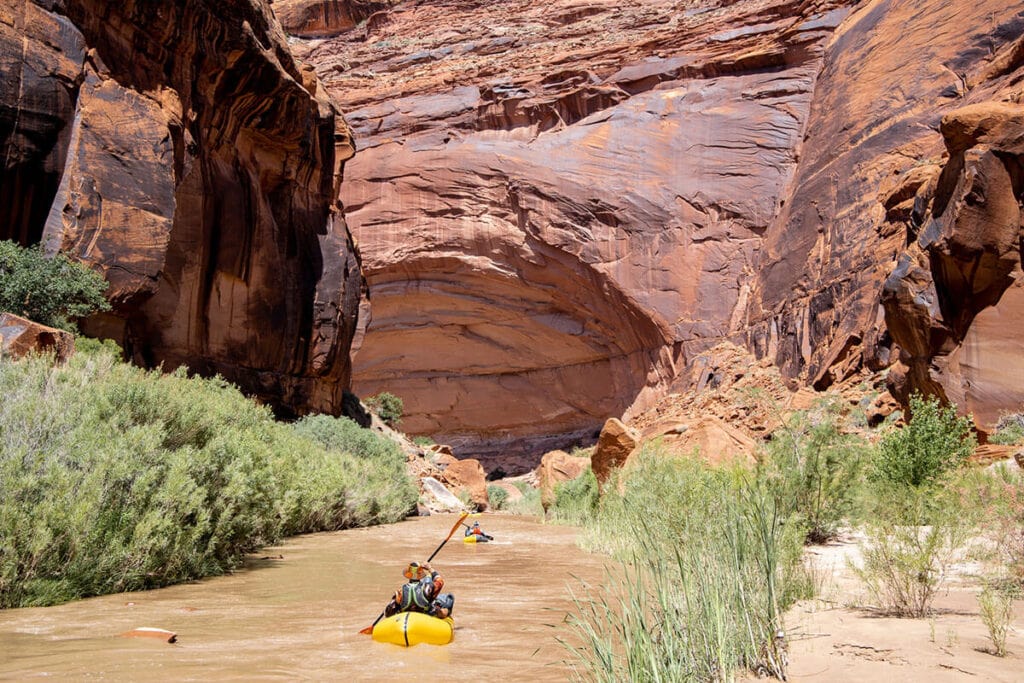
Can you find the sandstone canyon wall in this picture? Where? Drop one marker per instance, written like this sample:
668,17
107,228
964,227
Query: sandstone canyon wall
558,205
180,149
864,205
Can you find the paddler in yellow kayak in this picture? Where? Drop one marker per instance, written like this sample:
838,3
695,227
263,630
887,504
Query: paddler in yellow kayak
477,534
422,593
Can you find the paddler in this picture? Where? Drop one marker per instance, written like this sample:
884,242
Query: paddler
475,530
422,593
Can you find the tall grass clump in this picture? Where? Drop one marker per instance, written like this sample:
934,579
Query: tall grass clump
816,469
496,497
707,564
529,504
995,602
912,541
576,500
113,478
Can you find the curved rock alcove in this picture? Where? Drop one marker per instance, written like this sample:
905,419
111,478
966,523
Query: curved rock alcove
485,348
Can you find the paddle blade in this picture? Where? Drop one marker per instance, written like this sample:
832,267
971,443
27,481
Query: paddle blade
367,631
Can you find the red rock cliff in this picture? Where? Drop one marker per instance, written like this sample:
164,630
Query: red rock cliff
180,149
558,204
899,184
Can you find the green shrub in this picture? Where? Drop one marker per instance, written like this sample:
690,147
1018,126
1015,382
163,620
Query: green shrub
387,406
115,479
529,504
917,534
995,603
496,496
576,500
934,442
815,469
53,291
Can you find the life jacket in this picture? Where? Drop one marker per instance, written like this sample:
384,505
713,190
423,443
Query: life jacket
414,596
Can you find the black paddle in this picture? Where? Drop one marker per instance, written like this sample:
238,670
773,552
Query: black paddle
369,629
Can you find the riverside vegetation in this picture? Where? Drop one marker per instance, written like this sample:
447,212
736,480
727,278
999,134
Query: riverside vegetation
113,478
706,560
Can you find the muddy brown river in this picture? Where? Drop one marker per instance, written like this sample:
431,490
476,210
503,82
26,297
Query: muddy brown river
295,611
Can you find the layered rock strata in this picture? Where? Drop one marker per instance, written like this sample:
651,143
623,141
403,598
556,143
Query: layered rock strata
557,203
892,71
955,302
650,179
179,149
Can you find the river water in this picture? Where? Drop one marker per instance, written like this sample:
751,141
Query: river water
294,613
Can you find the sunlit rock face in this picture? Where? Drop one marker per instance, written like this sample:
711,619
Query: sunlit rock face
315,18
863,189
955,302
557,203
179,149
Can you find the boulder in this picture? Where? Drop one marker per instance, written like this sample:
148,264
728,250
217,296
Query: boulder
713,440
880,408
614,446
467,475
439,498
20,337
556,467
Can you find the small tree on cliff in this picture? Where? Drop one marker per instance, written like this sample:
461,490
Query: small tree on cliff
387,406
52,291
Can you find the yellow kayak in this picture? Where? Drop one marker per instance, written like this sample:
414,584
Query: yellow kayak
475,539
413,628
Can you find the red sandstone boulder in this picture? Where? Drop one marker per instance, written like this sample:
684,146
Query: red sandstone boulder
616,443
712,440
466,475
20,337
555,468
